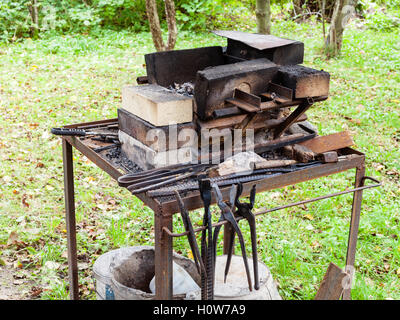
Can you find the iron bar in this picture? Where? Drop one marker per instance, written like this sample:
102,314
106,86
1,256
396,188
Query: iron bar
70,220
353,232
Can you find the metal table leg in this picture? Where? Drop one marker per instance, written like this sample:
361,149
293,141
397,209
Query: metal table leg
163,256
353,233
70,220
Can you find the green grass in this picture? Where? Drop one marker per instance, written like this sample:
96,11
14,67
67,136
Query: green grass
78,78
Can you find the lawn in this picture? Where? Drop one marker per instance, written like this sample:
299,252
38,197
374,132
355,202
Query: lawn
62,80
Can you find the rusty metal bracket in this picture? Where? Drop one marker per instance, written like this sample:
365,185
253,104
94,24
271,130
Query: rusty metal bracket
246,101
377,184
300,110
278,93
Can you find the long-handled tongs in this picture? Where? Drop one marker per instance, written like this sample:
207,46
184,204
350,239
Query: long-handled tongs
226,214
244,209
145,181
191,235
81,132
207,279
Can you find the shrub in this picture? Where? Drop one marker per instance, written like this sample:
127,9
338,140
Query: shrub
381,21
63,16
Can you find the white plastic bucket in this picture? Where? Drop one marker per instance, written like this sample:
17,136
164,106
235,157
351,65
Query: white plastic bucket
236,286
131,277
102,271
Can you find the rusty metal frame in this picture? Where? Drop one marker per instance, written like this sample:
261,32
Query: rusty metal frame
164,211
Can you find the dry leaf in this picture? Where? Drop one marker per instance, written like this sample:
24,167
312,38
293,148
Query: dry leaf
39,165
83,265
12,238
52,265
18,281
315,244
23,200
308,217
35,291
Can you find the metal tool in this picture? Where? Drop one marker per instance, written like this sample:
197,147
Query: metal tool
245,210
137,183
81,132
191,235
133,178
110,146
226,214
258,174
207,279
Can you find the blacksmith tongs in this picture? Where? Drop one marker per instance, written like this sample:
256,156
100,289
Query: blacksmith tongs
244,210
226,214
191,235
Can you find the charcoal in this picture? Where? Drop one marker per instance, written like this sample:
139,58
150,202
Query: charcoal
186,89
118,157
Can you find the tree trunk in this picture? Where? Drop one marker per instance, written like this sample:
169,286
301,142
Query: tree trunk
154,22
341,14
33,10
172,30
297,7
263,16
155,27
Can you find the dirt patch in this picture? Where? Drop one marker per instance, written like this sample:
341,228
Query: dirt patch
10,288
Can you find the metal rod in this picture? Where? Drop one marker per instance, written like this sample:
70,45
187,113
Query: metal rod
70,220
353,232
378,184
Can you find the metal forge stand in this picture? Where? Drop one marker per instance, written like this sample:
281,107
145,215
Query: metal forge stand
165,208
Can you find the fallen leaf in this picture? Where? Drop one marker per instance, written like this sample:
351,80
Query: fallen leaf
52,265
23,200
83,265
315,244
18,281
39,165
12,238
49,188
303,207
356,121
7,179
35,291
386,266
393,172
308,217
